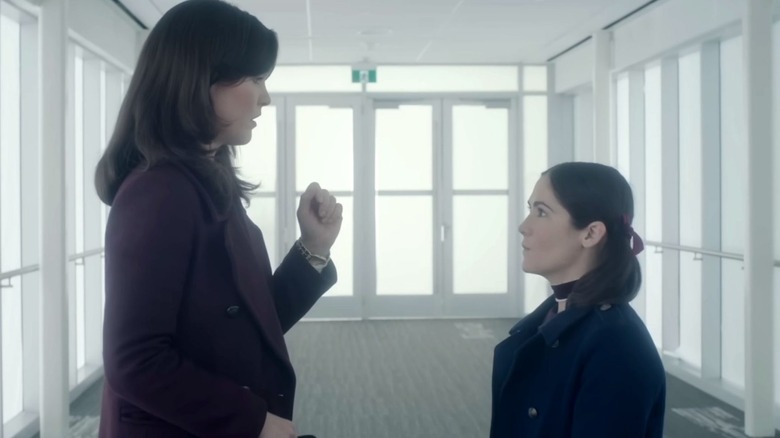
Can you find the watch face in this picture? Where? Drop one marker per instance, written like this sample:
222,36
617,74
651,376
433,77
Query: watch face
305,252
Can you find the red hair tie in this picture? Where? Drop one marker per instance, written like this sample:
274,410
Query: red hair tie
637,245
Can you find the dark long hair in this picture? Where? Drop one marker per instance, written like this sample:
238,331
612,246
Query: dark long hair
167,114
593,192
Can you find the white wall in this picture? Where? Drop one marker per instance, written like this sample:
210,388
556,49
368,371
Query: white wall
672,25
103,28
575,68
583,126
667,26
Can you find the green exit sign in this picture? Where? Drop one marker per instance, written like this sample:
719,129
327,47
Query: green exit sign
368,76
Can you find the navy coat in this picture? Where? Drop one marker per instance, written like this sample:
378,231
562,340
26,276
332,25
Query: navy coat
194,316
588,372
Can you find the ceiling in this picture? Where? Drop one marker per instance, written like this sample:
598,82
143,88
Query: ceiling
420,31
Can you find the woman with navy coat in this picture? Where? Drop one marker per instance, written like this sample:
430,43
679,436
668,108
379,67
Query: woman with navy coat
195,317
583,364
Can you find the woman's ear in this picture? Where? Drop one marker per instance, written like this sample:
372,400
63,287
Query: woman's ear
593,234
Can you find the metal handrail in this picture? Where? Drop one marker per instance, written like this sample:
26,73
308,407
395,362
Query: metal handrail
18,272
702,251
37,267
85,254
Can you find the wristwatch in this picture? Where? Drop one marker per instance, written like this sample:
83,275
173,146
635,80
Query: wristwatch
311,258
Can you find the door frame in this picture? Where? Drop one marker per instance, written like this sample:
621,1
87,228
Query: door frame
365,303
327,307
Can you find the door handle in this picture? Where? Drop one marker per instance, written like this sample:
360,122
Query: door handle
444,231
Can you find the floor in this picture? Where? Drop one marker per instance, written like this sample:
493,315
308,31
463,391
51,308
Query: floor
384,379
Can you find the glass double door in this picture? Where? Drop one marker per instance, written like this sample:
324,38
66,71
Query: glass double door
430,205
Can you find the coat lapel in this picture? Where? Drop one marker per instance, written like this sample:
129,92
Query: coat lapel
562,322
250,267
506,354
511,351
252,280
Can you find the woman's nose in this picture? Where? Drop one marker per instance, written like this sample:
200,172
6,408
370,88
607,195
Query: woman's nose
523,227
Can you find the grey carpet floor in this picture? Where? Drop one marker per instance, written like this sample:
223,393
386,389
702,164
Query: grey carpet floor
385,379
418,379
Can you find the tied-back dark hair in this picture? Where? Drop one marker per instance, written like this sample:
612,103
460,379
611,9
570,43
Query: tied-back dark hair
593,192
167,114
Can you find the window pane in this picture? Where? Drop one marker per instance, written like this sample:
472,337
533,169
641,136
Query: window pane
653,157
690,151
690,206
652,279
623,134
690,305
535,78
777,332
12,350
257,159
404,148
80,317
324,142
404,247
732,322
653,275
79,154
733,151
480,244
534,163
10,142
262,211
444,78
480,139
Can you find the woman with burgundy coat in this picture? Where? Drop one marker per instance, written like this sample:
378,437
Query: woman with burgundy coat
194,316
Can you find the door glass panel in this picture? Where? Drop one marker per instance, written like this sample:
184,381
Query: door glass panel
256,161
324,138
324,142
404,148
480,244
404,240
480,138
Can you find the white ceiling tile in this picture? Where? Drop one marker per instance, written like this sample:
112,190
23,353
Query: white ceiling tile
398,31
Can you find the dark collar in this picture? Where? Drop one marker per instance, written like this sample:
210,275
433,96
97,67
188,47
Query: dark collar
562,291
562,322
554,328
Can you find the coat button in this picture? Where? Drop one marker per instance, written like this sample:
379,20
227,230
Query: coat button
605,307
233,311
532,413
280,395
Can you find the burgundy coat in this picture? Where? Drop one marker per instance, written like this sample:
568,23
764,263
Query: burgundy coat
193,340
